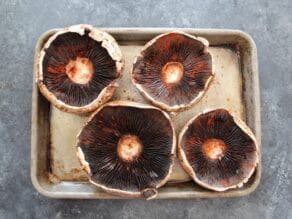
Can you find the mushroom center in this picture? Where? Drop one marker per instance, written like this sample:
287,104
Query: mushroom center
172,72
129,147
214,148
80,70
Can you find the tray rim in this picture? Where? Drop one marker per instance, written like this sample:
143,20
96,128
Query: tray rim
155,30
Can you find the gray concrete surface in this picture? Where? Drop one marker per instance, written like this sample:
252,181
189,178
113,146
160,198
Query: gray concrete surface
269,23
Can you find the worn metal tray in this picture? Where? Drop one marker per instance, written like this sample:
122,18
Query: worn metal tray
55,170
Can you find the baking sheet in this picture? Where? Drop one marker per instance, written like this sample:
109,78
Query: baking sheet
55,171
225,91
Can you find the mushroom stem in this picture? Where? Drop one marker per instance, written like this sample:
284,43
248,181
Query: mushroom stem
149,193
80,70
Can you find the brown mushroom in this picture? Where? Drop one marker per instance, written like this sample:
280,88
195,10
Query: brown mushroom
218,150
173,70
128,148
78,67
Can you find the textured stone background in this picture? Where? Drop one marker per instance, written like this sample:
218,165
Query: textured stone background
269,23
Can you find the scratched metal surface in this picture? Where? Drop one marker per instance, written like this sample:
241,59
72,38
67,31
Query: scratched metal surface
55,170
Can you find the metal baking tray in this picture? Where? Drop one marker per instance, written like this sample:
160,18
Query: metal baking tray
55,170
